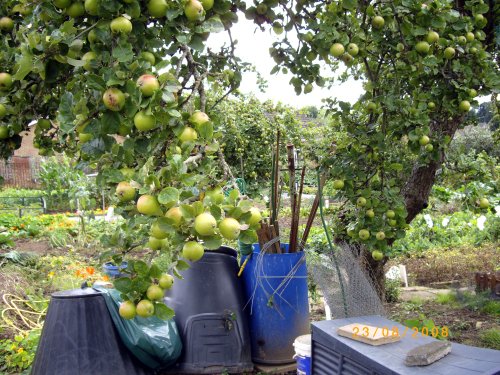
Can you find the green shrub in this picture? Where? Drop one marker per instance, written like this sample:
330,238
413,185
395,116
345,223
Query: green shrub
491,338
18,354
392,290
446,299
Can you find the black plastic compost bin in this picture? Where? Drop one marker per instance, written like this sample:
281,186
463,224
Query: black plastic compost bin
79,338
208,306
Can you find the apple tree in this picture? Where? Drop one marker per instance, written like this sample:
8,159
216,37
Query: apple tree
423,63
121,86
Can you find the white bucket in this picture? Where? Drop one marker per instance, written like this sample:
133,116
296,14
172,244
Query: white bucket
302,345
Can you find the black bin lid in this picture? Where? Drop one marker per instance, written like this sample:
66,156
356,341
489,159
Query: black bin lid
77,293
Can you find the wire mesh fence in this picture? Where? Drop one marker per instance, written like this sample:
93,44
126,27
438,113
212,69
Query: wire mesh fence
20,172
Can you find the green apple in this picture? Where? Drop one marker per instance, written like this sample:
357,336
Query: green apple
352,49
472,93
370,214
361,202
6,24
449,53
338,184
92,36
377,255
371,106
432,37
205,224
92,7
192,251
127,172
423,48
470,36
148,84
431,105
308,88
464,106
424,140
154,243
390,214
144,122
256,216
157,232
261,8
75,10
484,203
393,223
127,310
230,228
166,281
114,99
188,135
4,132
199,118
148,205
175,215
364,234
380,236
85,137
5,81
400,47
149,57
158,8
155,293
207,4
62,4
337,50
121,25
194,10
125,192
87,58
3,111
429,147
378,22
145,309
462,40
479,18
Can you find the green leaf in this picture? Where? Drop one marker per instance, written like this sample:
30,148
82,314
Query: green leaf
349,4
168,195
182,265
123,284
155,271
248,237
141,268
163,312
216,212
25,66
212,25
187,211
212,243
198,208
123,52
245,205
206,130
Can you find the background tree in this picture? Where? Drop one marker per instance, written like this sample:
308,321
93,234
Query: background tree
423,64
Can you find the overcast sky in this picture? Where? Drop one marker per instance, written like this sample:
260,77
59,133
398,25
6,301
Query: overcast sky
253,47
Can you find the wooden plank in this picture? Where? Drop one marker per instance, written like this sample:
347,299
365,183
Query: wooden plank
368,334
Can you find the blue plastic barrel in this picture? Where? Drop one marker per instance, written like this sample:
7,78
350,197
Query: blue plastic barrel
113,270
275,287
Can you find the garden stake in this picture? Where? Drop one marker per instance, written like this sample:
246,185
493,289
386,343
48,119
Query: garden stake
277,246
293,197
275,183
299,201
312,214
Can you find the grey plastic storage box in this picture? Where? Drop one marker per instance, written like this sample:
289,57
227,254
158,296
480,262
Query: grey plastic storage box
336,355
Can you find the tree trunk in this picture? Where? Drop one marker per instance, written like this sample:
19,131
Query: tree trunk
416,193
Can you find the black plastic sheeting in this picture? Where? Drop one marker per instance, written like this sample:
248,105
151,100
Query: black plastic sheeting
79,338
208,306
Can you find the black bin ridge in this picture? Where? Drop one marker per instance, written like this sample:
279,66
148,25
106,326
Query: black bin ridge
208,306
79,338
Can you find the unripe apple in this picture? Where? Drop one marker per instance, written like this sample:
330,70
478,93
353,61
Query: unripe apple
175,215
378,22
337,50
393,223
370,214
188,135
205,224
88,57
484,203
62,4
92,7
127,310
192,251
423,48
148,205
75,10
432,37
449,53
207,4
390,214
261,8
424,140
149,57
338,184
148,84
352,49
125,192
145,308
144,122
85,137
5,81
4,132
377,255
92,36
380,236
6,24
464,106
431,105
308,88
157,8
470,36
429,147
166,281
121,25
479,18
371,106
155,293
194,10
199,118
361,202
364,234
114,99
3,110
154,243
256,216
400,47
157,232
462,40
472,93
230,228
